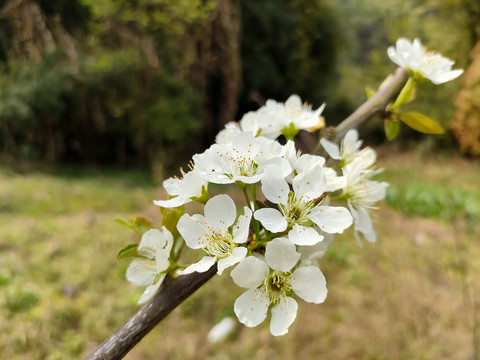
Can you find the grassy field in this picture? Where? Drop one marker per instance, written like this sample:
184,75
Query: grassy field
412,295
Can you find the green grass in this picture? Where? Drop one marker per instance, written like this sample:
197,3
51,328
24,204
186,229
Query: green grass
409,296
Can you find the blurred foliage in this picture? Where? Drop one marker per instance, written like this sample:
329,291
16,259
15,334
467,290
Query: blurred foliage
288,46
466,124
136,83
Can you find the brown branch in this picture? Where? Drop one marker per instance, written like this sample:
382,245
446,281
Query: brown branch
174,291
373,106
171,294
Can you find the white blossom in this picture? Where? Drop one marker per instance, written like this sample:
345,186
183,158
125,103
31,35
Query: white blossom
362,195
297,209
349,149
183,190
304,162
155,248
243,160
430,65
215,234
271,289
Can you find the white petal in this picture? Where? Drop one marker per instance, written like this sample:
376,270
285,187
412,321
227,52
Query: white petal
192,184
193,230
150,291
283,315
271,219
310,184
331,148
331,219
173,202
238,254
141,272
250,273
274,186
309,283
172,185
281,254
220,211
304,235
162,260
251,307
308,161
220,331
203,265
152,241
241,229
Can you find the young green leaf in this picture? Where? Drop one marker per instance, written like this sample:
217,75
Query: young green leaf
391,128
128,251
421,123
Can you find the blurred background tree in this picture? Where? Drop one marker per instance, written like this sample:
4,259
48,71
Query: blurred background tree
130,83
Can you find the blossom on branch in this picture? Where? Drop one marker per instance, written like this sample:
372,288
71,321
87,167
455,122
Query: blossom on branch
215,235
362,194
150,270
423,63
297,209
243,160
184,190
271,283
349,149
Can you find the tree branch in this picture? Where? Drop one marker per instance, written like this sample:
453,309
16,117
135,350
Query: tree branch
171,294
174,291
373,106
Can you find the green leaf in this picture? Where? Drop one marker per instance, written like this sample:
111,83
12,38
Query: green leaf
125,223
138,224
421,123
141,224
391,128
128,252
406,95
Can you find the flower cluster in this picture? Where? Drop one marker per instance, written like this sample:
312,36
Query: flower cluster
286,223
294,205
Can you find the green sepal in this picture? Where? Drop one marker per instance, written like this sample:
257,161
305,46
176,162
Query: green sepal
369,91
177,248
138,224
170,217
142,224
420,123
203,198
128,251
391,128
290,131
406,94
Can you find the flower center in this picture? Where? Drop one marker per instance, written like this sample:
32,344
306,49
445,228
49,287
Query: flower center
358,194
296,210
219,244
276,286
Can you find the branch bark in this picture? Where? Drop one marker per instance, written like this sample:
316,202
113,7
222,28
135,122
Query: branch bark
171,294
174,291
373,106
